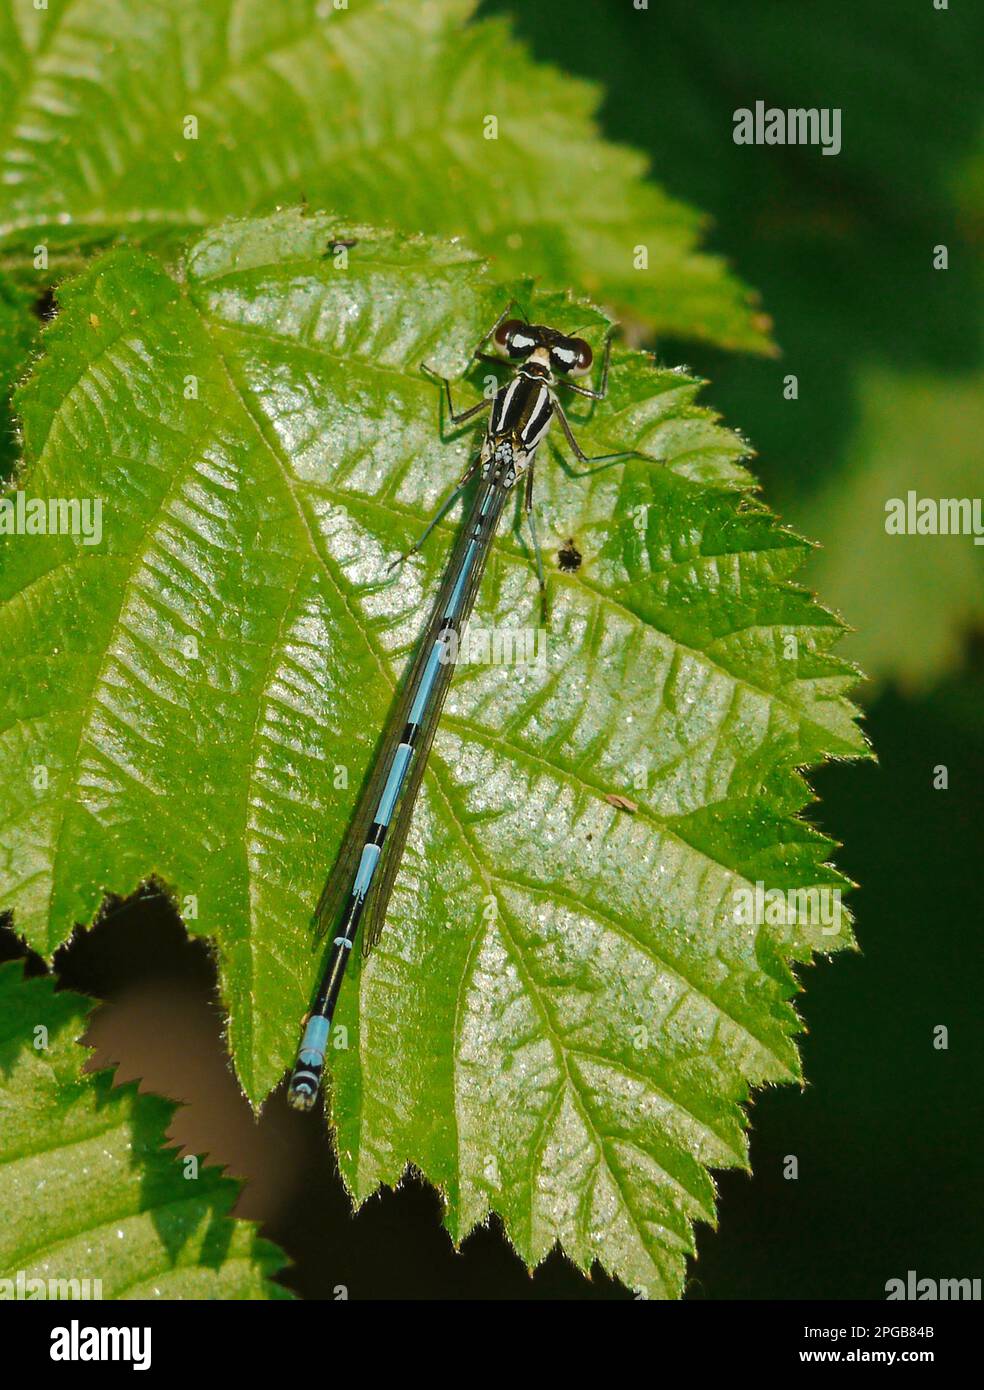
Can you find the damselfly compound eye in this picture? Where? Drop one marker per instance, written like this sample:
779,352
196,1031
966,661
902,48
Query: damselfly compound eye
572,356
584,357
514,338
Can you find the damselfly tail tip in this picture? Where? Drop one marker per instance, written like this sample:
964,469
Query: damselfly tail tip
305,1079
301,1098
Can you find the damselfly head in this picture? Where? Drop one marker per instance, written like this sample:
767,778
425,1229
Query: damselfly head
518,341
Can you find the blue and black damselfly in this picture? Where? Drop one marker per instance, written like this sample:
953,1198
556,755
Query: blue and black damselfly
359,887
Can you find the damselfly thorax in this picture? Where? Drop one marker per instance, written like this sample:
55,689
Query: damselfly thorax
521,415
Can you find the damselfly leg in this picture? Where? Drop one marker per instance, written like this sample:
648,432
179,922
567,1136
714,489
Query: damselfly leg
441,512
595,395
581,456
531,519
458,417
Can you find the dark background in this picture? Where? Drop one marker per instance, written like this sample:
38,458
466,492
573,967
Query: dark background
888,1131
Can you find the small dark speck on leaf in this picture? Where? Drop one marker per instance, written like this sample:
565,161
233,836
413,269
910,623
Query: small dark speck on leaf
569,558
337,244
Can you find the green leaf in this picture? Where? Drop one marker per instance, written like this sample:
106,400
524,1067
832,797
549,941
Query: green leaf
562,1017
380,111
87,1189
921,434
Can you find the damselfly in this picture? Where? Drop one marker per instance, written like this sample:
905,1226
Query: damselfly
359,887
